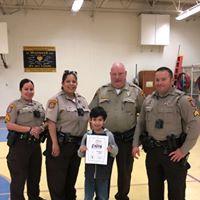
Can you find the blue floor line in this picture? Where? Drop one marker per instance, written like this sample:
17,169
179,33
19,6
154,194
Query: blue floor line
5,197
4,185
3,134
4,188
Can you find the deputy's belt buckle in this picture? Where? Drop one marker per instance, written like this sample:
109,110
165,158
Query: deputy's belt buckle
69,139
158,143
21,137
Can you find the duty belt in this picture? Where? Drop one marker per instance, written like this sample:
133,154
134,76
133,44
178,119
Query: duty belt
27,137
171,143
126,136
64,138
14,136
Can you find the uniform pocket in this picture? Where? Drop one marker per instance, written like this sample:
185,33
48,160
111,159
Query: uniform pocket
129,105
68,113
167,112
25,117
105,103
148,110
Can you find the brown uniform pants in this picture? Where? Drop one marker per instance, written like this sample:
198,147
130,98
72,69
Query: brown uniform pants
124,161
160,168
62,171
24,162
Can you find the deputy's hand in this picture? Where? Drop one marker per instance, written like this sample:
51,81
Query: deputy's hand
83,149
136,152
177,155
35,131
55,150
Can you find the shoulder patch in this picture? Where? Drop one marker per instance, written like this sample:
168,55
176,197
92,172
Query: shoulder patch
52,103
7,118
196,113
192,102
142,93
10,108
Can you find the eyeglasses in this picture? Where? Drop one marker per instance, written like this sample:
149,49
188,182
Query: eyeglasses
70,72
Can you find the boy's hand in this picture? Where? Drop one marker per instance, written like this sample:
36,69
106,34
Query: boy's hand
109,149
83,148
136,152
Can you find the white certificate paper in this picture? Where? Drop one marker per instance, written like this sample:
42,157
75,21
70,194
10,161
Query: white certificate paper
97,152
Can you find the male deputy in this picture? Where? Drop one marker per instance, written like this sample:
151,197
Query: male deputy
168,127
122,101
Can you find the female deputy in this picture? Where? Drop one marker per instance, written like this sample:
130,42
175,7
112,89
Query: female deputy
67,116
24,121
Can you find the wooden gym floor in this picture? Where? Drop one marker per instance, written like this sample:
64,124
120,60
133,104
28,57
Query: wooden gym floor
139,187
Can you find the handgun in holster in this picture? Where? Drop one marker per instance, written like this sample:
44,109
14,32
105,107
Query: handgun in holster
174,143
182,138
43,136
146,141
184,161
171,144
127,136
61,137
11,138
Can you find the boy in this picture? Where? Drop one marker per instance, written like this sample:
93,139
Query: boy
97,176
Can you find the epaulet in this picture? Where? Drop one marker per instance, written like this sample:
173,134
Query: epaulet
106,85
103,88
149,97
179,92
78,95
134,85
152,94
15,101
36,102
59,94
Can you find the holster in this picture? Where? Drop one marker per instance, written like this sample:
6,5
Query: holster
43,136
61,138
146,141
64,138
11,138
170,144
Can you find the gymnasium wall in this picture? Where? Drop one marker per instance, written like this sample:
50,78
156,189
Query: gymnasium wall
89,46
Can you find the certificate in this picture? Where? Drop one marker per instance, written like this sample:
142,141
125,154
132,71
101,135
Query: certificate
97,152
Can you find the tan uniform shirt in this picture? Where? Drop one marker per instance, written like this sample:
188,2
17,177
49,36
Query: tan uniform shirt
121,108
178,113
63,111
21,112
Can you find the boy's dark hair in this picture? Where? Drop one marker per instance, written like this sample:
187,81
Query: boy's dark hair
165,69
97,112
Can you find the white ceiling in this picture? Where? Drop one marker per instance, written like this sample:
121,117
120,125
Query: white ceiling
8,7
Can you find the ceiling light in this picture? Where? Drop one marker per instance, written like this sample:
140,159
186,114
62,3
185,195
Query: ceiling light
77,5
190,11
